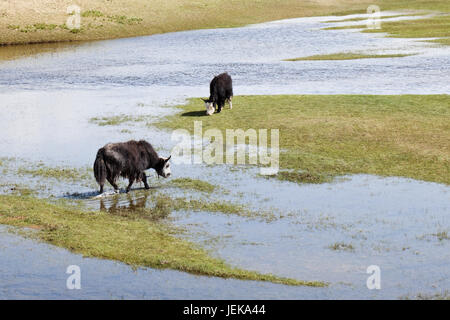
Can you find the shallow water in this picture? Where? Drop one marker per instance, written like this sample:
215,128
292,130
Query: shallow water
38,271
48,101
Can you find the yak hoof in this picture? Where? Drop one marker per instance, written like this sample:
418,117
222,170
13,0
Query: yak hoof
116,191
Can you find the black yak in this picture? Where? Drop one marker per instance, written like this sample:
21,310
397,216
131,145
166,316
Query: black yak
220,90
128,160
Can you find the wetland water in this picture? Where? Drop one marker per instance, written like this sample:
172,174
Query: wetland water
48,100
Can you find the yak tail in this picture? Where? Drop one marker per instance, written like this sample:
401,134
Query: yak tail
100,168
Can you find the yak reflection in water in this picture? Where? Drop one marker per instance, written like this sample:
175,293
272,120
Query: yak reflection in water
126,202
139,205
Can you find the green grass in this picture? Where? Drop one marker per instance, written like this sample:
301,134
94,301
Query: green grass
160,209
214,206
327,136
116,120
78,175
442,235
361,26
304,177
443,41
347,56
341,246
194,184
59,173
434,5
197,204
438,26
18,190
120,19
433,27
365,18
34,27
224,207
92,14
129,238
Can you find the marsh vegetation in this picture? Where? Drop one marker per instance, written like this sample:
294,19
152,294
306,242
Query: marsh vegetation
329,136
128,237
348,56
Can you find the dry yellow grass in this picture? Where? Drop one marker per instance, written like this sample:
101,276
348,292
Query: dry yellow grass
44,21
36,21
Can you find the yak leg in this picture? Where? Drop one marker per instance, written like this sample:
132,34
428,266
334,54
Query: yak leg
130,184
144,180
101,189
230,103
113,183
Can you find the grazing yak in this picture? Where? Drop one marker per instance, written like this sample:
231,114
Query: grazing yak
220,90
128,160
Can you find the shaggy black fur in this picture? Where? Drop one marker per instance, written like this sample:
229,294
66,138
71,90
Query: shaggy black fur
220,90
128,160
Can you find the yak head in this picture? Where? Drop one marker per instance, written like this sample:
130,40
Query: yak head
163,167
209,105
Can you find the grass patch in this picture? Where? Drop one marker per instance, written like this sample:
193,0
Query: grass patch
443,41
18,190
442,235
437,296
341,246
193,184
136,241
225,207
399,135
124,19
362,26
33,27
189,204
367,17
116,120
161,209
438,26
303,177
347,56
59,173
431,27
92,14
435,5
44,26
